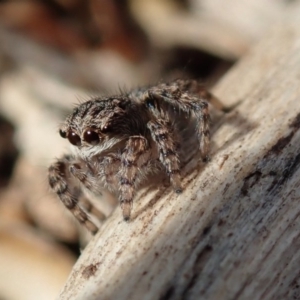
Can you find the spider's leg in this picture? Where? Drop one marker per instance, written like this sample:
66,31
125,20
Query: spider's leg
87,177
177,94
70,195
162,135
133,156
194,87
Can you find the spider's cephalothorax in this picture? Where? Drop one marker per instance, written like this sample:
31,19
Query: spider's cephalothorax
117,140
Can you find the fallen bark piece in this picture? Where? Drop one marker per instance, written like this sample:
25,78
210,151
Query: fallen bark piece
234,231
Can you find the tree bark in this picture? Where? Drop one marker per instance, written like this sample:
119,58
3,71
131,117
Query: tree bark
234,231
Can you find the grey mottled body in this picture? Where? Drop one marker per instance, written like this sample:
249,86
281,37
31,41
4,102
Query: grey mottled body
118,140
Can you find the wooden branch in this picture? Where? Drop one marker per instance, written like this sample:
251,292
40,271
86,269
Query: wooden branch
234,231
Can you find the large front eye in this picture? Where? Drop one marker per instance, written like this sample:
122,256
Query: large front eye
91,137
74,138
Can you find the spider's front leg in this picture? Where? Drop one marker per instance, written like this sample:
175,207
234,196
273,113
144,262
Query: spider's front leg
60,181
133,156
162,135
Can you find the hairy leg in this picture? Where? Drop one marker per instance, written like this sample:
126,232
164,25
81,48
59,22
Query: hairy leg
60,181
162,135
178,94
195,88
134,155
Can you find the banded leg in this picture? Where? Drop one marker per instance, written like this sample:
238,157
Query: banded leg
83,174
178,94
133,156
193,87
69,194
88,179
162,135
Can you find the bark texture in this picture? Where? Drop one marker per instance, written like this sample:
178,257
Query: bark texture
234,231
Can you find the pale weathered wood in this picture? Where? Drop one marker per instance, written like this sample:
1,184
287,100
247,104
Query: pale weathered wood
234,231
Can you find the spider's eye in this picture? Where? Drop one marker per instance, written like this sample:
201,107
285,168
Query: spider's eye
62,133
74,138
91,137
105,129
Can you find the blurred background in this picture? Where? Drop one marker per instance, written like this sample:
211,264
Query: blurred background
55,53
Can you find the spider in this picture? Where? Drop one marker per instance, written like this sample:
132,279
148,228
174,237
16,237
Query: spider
117,141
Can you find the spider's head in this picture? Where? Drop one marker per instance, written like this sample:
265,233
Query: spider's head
96,125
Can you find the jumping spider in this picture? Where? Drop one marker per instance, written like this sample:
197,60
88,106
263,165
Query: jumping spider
117,141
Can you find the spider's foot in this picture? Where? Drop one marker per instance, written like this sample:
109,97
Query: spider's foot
178,190
126,209
206,158
176,182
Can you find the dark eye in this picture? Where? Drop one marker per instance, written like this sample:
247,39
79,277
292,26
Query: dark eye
91,137
105,129
62,133
74,138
